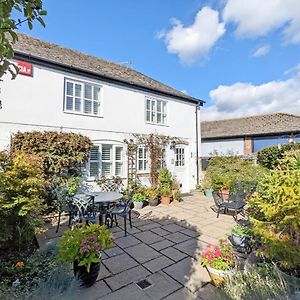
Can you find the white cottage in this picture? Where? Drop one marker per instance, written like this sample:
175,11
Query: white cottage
65,90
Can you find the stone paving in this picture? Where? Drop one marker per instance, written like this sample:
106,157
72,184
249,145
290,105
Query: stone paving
163,248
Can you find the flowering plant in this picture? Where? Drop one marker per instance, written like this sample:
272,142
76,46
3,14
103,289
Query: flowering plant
84,244
218,257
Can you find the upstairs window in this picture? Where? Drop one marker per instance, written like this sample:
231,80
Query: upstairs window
82,98
156,111
179,157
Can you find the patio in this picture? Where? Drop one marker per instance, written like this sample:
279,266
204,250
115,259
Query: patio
163,249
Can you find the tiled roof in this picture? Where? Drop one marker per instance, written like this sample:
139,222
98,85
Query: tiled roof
69,58
277,123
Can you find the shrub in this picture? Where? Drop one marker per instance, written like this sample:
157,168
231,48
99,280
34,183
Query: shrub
275,213
21,197
224,171
253,283
61,152
269,157
139,197
164,177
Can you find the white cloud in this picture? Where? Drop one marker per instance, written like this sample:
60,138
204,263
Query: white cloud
194,41
242,99
259,17
262,51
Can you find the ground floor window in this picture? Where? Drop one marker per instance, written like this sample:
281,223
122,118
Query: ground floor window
179,157
106,160
142,159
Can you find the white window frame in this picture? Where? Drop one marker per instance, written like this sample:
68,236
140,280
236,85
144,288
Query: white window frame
153,111
179,156
83,99
144,159
112,160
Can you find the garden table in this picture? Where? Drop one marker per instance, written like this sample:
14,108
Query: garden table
104,199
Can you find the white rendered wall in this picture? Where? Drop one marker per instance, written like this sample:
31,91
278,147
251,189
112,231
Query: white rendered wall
222,147
36,103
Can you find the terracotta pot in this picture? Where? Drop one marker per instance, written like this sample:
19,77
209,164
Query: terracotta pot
224,194
165,200
86,278
217,276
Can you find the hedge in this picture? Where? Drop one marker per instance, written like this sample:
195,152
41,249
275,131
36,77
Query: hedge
268,157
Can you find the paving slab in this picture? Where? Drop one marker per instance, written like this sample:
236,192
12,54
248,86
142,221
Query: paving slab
129,292
173,227
190,247
189,273
148,237
149,226
191,233
96,291
124,278
113,251
183,294
173,254
142,253
103,273
119,263
160,231
158,263
177,237
162,286
127,241
162,245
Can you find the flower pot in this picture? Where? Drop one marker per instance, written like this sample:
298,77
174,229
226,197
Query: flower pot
208,193
217,276
165,200
224,194
238,240
138,204
153,202
86,278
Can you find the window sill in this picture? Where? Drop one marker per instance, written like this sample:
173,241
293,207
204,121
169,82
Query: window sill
81,114
157,124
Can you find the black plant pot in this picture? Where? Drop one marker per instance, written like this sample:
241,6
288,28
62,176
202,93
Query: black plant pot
153,202
86,278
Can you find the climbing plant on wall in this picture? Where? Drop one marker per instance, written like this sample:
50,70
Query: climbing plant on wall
155,144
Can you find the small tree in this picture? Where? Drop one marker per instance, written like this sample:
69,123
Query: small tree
275,212
12,14
21,197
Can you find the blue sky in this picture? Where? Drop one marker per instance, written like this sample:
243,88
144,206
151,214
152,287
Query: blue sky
240,58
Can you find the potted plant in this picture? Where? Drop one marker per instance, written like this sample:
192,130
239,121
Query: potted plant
138,200
152,194
164,177
218,260
166,194
82,246
239,234
175,187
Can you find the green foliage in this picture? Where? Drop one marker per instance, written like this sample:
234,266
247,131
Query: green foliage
61,152
269,157
21,197
241,230
152,193
164,177
177,196
224,171
11,12
165,191
139,197
84,244
275,213
252,284
29,269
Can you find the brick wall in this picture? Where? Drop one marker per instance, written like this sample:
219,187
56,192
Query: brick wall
248,145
